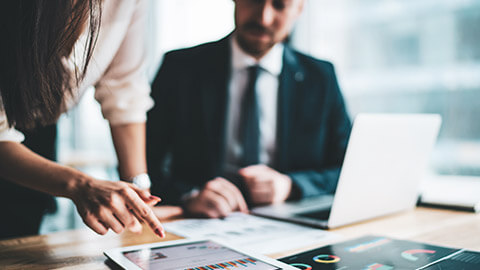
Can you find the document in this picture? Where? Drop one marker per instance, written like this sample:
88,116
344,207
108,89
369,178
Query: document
257,234
452,191
463,260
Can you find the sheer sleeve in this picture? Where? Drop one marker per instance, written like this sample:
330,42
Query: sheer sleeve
8,133
124,90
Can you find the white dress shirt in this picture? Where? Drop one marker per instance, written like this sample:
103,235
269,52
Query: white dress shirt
116,68
267,92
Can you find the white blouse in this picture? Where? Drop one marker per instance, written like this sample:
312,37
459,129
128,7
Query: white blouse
116,69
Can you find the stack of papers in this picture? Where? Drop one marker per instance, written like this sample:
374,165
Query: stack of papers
452,191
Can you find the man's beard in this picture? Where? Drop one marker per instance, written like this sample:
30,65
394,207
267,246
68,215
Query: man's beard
252,47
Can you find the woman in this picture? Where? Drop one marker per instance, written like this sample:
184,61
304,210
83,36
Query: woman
51,51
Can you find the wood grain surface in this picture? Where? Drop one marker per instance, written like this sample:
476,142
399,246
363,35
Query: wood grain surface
83,249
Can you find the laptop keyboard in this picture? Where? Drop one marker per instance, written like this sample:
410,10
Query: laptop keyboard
320,215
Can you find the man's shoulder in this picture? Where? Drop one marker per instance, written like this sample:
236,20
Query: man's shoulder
198,52
310,63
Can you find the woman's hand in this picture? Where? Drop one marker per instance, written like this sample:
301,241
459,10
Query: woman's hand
112,205
102,205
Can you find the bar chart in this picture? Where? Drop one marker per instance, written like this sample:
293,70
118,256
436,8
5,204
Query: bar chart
227,265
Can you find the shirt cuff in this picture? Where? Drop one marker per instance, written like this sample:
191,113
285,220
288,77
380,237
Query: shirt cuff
10,134
187,196
127,104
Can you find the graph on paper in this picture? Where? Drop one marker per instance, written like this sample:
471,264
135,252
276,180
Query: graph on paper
246,262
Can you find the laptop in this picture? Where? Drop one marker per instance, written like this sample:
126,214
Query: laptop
387,156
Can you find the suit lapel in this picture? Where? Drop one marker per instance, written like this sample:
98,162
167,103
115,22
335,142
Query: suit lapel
214,98
291,78
214,102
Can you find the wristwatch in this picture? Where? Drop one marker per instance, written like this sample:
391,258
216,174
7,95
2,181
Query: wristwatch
142,181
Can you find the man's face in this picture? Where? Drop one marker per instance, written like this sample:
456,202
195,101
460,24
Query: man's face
260,24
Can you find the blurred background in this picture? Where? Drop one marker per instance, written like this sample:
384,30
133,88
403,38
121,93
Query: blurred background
394,56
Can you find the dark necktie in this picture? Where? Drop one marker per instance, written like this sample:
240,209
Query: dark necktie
249,120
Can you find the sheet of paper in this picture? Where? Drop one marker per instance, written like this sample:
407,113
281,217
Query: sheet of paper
452,190
261,235
462,260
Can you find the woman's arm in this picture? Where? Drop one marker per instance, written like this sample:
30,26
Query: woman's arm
129,142
102,205
123,92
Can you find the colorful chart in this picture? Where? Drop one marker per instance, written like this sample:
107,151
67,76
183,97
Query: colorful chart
302,266
408,254
324,258
378,266
368,245
204,247
373,253
226,265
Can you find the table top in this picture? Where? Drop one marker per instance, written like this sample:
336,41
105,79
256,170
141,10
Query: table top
83,249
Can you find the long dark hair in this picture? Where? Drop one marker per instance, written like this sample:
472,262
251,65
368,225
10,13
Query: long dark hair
37,36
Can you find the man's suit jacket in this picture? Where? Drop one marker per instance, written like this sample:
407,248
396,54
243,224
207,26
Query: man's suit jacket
186,130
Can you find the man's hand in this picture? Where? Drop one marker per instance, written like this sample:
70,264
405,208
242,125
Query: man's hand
217,199
266,185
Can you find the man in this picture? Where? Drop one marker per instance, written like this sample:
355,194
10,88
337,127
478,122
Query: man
246,119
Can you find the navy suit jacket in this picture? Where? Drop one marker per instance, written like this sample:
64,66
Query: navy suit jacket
186,130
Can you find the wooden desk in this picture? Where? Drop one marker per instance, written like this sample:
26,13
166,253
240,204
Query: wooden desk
82,249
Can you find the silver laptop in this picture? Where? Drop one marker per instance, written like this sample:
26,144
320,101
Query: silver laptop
386,157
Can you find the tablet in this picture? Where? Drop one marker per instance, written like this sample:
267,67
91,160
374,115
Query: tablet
188,254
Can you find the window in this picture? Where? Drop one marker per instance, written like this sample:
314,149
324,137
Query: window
406,56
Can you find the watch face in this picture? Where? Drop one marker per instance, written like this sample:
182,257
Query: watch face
142,181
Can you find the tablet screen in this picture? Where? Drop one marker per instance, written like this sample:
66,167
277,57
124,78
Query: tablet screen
202,255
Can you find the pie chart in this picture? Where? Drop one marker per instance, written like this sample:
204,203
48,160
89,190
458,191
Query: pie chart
324,258
379,266
302,266
410,254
